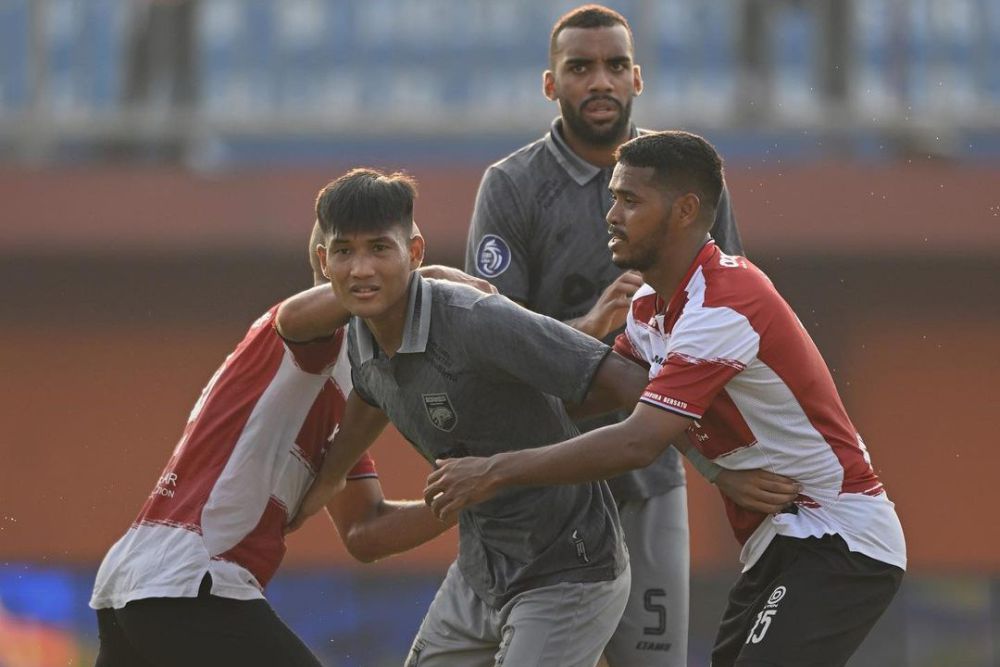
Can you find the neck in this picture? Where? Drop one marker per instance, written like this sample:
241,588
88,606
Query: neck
599,156
666,276
387,328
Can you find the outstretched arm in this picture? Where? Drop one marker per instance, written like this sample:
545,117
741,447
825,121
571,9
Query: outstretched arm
372,527
620,382
359,427
599,454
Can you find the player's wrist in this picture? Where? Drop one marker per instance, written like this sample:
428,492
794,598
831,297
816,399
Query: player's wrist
706,468
500,472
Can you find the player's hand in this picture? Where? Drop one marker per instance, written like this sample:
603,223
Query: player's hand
316,498
758,490
608,314
455,276
456,484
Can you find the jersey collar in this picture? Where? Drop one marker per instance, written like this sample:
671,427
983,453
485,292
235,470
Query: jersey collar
578,169
680,294
416,329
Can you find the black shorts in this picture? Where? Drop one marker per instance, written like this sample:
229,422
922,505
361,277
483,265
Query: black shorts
807,602
206,631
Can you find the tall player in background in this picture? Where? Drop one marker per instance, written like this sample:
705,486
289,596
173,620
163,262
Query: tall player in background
184,586
733,369
538,233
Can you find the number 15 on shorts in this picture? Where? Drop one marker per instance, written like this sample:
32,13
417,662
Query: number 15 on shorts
763,622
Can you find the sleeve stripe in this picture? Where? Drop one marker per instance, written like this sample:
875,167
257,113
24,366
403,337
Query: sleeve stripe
694,361
670,408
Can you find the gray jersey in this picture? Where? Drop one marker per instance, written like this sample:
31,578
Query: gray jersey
539,234
476,375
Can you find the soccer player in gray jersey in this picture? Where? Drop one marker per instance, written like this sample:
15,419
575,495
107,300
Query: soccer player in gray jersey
542,576
539,234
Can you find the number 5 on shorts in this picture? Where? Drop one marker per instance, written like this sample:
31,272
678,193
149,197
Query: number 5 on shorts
649,601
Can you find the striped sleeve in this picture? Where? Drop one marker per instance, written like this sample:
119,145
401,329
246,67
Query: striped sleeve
707,348
316,356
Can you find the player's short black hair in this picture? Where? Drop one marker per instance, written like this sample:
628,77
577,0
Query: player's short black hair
588,16
366,200
682,161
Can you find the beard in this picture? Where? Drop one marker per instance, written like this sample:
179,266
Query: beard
596,136
643,260
646,254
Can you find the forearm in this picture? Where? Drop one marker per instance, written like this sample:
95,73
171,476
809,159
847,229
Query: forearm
599,454
360,425
314,313
395,527
710,471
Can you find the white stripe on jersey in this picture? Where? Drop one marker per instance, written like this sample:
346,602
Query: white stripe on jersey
261,459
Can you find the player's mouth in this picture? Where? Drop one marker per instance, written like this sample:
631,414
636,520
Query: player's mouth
601,109
364,292
618,237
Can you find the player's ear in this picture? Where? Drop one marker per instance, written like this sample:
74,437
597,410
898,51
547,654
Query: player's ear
637,79
321,255
687,208
549,85
416,251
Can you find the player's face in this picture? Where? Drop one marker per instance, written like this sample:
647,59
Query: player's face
370,272
594,80
639,219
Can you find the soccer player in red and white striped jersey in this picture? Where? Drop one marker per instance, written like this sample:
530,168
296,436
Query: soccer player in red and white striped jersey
731,367
184,586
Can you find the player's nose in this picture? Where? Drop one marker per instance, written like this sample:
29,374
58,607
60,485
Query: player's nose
601,81
362,267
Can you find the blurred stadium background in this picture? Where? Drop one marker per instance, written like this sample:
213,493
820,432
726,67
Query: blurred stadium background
158,161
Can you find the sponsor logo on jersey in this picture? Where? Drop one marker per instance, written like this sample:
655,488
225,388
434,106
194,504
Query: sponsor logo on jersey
492,256
165,485
440,411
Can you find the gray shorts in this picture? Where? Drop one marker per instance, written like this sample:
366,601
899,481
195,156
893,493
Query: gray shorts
654,628
564,624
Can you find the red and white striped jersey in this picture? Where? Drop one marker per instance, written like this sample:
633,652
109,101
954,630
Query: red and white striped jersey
728,351
250,450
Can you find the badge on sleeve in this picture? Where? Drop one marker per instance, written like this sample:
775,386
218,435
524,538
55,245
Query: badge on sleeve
492,256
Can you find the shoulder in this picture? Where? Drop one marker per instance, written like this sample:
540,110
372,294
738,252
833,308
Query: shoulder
471,310
522,167
732,281
448,296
